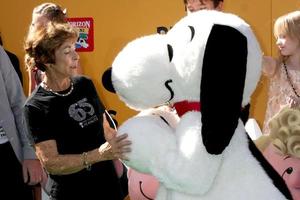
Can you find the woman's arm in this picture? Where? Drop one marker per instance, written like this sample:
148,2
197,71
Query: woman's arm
59,164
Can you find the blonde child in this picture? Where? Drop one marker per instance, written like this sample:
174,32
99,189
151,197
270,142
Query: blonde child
284,72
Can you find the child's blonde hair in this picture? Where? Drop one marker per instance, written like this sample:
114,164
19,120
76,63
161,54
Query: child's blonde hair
285,131
289,25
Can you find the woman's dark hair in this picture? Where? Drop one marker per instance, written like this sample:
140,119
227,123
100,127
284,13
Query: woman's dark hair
40,45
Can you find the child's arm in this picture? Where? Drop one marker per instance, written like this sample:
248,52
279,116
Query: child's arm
269,66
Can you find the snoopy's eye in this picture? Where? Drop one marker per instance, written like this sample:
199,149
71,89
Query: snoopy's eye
192,32
170,52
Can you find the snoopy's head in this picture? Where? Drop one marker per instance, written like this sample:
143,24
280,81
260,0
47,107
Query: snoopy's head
156,69
208,57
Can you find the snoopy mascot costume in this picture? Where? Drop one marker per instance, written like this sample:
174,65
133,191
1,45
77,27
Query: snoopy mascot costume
206,67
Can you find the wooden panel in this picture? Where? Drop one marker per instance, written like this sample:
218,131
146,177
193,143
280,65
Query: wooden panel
119,21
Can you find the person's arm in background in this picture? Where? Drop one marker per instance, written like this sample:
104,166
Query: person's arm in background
269,66
14,60
32,169
16,64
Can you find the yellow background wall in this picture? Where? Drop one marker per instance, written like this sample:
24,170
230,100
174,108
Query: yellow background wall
119,21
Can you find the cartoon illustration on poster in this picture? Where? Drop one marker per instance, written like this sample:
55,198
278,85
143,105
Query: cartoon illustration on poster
85,40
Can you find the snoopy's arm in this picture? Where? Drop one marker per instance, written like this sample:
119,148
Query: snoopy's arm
150,138
179,160
189,168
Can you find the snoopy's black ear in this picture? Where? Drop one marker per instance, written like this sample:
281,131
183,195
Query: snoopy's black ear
106,81
222,86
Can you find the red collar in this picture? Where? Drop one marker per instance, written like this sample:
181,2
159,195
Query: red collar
184,106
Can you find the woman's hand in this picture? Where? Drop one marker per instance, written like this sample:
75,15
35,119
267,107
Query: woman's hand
109,132
116,149
116,146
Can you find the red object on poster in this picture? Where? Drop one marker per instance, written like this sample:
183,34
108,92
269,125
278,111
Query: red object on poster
85,26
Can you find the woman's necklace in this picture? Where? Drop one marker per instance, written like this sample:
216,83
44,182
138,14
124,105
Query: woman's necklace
290,81
56,93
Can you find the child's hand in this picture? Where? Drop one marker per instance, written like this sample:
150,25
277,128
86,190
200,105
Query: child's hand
294,101
269,65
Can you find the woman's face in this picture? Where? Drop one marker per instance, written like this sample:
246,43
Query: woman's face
66,59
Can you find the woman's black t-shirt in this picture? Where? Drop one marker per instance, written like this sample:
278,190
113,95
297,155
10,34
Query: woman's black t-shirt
75,123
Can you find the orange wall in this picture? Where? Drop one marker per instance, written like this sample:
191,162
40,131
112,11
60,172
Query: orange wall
119,21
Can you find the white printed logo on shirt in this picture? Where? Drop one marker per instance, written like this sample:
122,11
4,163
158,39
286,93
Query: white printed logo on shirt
83,112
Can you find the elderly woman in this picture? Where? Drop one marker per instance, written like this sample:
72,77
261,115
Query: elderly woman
64,119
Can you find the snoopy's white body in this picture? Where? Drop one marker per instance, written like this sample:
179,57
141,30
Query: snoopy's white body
181,163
